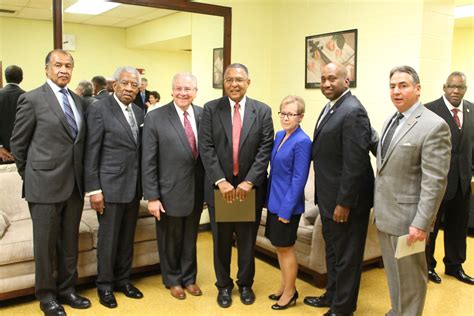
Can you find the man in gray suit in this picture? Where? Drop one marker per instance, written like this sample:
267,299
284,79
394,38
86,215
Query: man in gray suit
47,144
412,166
112,180
173,184
235,142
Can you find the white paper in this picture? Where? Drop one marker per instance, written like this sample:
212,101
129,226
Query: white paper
404,250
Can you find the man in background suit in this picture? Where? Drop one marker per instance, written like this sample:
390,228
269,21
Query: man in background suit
8,100
100,91
235,142
412,166
173,184
143,95
112,181
459,116
344,182
48,143
84,89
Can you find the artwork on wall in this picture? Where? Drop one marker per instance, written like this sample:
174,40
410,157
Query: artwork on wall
340,47
217,67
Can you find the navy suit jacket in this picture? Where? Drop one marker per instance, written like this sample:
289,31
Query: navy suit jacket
289,173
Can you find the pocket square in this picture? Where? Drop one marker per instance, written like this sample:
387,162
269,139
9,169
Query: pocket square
407,144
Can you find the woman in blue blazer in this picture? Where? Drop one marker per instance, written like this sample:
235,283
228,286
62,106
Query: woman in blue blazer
290,160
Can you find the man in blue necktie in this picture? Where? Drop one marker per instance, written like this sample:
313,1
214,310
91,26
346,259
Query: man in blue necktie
143,95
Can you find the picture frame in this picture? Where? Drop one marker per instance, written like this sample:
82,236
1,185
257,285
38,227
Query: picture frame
217,68
321,49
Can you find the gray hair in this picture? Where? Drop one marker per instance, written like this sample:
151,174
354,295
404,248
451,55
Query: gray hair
239,66
86,87
188,75
294,99
128,69
408,70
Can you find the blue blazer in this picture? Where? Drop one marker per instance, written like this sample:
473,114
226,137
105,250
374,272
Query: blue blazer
288,174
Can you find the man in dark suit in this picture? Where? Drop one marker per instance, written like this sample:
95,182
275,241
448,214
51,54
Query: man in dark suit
47,143
173,184
459,114
112,181
235,142
84,89
344,182
100,91
143,95
8,100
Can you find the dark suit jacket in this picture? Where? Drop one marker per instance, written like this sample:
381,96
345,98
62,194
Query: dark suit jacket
138,99
112,158
256,141
103,94
49,160
8,100
460,171
343,173
169,171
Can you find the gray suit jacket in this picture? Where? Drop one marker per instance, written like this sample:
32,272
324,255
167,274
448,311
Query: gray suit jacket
411,180
256,142
112,158
49,160
169,171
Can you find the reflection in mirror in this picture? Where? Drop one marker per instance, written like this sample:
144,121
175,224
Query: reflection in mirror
157,41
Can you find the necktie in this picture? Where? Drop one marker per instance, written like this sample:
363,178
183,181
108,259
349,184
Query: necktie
456,117
326,110
236,128
71,121
389,134
131,122
143,97
190,135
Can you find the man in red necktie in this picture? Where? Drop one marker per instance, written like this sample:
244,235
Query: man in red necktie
458,113
235,142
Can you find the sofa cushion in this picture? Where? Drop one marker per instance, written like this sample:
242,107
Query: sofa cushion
4,223
311,211
11,202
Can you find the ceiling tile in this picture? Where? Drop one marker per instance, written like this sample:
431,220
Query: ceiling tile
40,4
35,14
14,2
128,11
75,18
128,23
104,20
156,13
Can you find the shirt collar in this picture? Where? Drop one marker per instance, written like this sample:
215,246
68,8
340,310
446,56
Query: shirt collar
450,106
54,86
13,84
241,102
180,110
122,105
335,101
408,112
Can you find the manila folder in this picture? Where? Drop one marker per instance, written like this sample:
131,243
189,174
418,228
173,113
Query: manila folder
237,211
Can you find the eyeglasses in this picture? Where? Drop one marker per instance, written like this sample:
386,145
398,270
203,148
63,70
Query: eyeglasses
288,115
454,87
125,83
237,80
185,89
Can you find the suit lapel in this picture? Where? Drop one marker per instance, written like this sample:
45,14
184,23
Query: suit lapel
80,110
249,119
330,113
226,118
52,101
119,115
175,121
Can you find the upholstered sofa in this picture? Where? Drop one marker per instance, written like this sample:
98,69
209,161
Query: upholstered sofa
16,242
310,251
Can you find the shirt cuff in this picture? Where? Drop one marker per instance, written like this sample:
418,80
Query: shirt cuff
93,192
219,181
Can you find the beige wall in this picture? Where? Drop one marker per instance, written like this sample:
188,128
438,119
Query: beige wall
463,57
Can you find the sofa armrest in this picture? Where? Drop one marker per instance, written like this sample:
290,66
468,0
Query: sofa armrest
317,259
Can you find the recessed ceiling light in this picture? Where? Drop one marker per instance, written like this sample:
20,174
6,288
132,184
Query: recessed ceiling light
92,7
464,11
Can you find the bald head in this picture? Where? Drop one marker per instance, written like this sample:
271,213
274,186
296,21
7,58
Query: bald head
334,80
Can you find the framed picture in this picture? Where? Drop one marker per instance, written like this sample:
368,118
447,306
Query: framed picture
217,67
340,47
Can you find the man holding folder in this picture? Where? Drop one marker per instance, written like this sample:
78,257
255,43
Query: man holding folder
235,142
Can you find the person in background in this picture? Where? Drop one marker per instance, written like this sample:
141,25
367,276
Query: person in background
153,101
100,91
143,95
290,160
84,89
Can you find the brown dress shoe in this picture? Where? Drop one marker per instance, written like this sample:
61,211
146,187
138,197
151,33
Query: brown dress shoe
193,289
178,292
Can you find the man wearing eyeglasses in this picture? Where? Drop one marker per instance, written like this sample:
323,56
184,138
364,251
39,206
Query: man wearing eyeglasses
113,183
344,182
459,115
235,142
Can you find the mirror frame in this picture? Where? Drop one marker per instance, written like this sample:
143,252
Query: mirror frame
176,5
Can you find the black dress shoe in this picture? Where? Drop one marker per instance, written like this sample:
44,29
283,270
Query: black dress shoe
331,313
433,276
107,298
74,300
274,297
224,298
52,308
130,291
461,276
317,301
247,296
292,301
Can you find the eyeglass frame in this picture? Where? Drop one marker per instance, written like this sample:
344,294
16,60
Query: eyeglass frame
288,115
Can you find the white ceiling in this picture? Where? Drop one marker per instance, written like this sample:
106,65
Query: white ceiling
122,16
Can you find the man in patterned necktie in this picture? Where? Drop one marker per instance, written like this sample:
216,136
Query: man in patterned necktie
459,115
